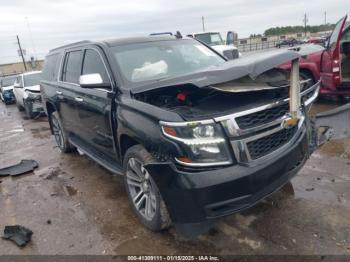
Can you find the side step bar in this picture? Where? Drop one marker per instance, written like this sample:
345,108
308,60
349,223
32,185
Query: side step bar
332,124
99,159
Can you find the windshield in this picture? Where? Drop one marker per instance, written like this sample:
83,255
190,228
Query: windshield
210,39
8,81
163,59
32,79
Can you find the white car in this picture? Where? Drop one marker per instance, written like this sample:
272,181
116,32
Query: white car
27,92
215,41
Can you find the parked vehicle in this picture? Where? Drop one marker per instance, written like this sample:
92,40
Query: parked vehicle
317,40
215,41
196,137
27,93
6,89
287,42
330,64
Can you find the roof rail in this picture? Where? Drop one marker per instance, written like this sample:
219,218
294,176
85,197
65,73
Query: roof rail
161,33
70,45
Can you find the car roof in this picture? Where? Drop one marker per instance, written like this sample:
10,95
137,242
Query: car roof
120,41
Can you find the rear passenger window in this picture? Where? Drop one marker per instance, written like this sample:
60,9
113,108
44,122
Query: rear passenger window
72,67
93,64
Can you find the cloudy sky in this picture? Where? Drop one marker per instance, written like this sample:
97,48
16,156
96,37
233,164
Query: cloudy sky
45,24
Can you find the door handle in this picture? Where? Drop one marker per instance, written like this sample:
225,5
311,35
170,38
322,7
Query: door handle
58,92
79,99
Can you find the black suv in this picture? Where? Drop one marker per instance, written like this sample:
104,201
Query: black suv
196,137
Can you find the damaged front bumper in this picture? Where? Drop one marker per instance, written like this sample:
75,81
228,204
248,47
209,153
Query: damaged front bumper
195,199
33,100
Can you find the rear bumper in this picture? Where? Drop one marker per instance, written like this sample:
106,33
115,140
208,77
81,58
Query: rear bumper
196,197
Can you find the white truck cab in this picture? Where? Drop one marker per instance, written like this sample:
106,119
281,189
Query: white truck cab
215,41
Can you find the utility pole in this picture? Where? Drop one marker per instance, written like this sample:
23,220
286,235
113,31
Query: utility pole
325,18
305,20
21,52
203,23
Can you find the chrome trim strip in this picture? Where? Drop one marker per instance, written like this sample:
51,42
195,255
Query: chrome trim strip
241,150
203,164
190,123
313,97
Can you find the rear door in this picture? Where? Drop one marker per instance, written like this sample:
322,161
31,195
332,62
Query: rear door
330,67
67,88
94,104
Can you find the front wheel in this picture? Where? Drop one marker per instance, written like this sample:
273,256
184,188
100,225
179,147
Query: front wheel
142,191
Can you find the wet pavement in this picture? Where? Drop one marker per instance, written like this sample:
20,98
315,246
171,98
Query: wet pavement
74,206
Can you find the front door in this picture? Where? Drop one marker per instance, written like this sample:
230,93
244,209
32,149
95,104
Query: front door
330,64
66,91
94,105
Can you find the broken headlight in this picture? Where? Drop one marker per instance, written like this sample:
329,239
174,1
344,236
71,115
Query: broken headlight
202,143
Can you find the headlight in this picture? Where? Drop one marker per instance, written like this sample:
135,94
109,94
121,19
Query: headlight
202,143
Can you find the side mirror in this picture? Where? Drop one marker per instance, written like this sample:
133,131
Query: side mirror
345,48
92,81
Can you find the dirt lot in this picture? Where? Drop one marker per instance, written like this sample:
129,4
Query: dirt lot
74,206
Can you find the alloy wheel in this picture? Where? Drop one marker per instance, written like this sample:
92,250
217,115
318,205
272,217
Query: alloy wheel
57,132
141,188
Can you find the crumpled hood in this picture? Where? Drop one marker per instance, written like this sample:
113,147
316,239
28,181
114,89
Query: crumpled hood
251,65
4,88
35,88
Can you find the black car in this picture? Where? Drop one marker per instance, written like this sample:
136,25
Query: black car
194,135
6,89
287,42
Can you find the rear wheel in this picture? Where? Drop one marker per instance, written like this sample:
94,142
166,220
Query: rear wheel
142,191
304,75
59,134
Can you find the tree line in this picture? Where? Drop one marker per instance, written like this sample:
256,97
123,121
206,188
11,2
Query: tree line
297,29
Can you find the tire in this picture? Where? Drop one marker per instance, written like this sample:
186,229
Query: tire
142,190
304,75
59,134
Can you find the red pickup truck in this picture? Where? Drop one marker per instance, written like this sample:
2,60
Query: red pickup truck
331,64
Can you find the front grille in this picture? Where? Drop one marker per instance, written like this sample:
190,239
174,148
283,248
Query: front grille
262,117
270,143
231,54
